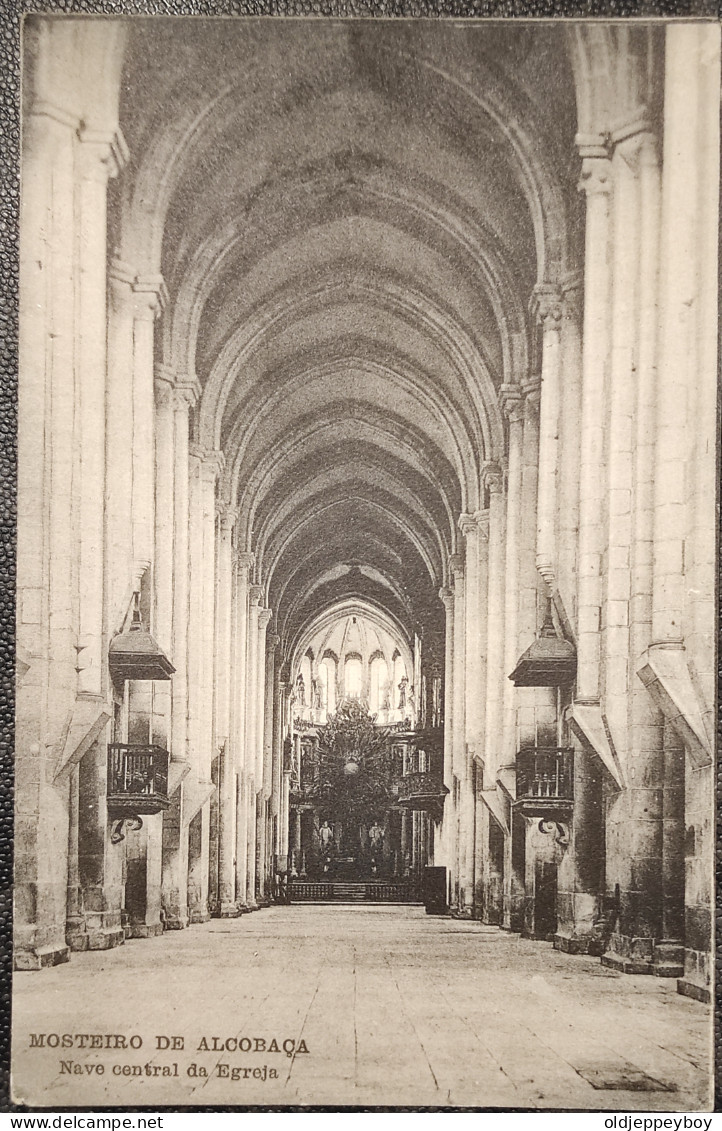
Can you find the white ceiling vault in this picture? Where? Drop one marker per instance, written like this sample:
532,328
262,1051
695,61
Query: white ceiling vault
350,218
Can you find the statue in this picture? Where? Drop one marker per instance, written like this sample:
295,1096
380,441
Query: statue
301,690
376,836
402,692
325,835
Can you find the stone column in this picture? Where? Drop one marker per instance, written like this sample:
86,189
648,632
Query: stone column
186,395
477,761
458,743
98,156
150,299
255,596
272,640
264,616
184,863
244,562
195,618
569,454
535,705
487,880
225,906
473,707
580,869
548,310
122,574
211,468
163,555
596,184
495,667
174,840
277,766
512,405
634,817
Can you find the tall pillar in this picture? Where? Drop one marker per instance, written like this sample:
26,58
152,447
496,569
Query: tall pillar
596,184
496,680
244,562
513,407
225,904
98,157
495,667
474,671
121,573
548,309
252,730
163,553
277,753
262,766
150,299
477,764
635,852
456,566
569,454
183,862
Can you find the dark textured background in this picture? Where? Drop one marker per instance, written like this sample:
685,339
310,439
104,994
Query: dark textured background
11,13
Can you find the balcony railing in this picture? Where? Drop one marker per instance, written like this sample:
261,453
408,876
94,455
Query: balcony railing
423,790
545,781
137,779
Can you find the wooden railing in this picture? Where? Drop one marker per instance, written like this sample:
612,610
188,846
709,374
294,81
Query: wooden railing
137,777
545,772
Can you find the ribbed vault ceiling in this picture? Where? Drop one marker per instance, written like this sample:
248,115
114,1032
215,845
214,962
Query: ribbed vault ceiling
350,220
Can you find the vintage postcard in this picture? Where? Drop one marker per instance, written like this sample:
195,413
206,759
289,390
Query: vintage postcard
366,563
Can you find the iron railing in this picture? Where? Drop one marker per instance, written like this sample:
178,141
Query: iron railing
545,772
137,777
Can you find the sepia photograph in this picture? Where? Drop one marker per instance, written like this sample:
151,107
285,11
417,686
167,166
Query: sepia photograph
366,564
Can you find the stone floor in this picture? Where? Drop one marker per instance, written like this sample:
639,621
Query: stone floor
395,1008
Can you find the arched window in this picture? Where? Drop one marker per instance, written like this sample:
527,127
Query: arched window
378,692
327,681
353,676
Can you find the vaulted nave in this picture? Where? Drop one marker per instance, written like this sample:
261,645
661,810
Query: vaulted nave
368,379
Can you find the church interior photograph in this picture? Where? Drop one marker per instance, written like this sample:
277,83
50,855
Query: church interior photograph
366,549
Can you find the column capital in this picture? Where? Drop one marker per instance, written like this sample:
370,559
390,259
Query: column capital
151,296
572,286
531,390
264,617
596,175
546,306
447,596
121,272
104,153
244,560
632,125
43,108
164,391
212,464
272,638
468,524
510,397
187,393
456,566
492,476
255,595
227,515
